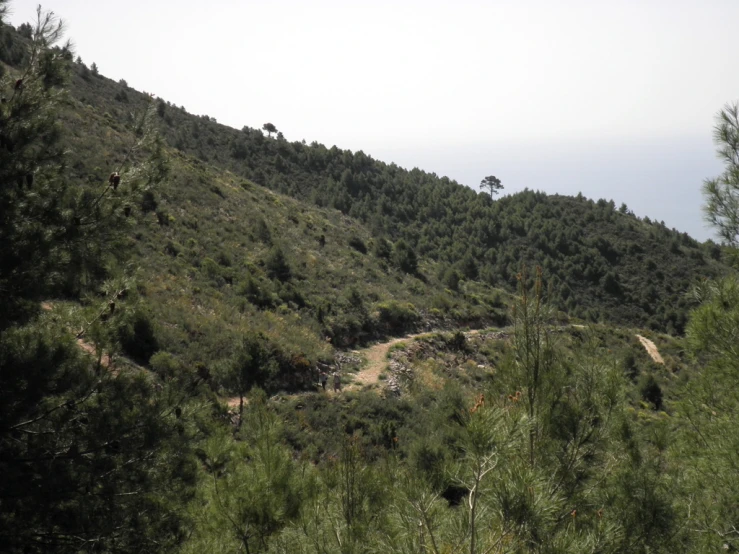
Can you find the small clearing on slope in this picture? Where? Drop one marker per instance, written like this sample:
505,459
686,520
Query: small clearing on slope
651,349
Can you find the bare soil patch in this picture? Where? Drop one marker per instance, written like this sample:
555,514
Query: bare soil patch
651,349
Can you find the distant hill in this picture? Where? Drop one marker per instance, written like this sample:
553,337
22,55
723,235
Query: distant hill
221,256
603,263
214,219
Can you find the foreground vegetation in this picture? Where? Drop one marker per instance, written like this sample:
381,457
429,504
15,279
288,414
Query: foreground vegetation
543,437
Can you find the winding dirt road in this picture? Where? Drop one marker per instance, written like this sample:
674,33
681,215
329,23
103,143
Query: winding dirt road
376,362
376,357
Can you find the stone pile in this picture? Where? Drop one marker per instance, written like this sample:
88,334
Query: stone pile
342,358
400,374
494,335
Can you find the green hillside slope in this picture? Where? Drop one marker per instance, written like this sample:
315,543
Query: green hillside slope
347,249
220,256
603,263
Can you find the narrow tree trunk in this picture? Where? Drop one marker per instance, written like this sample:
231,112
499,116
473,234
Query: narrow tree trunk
473,508
241,408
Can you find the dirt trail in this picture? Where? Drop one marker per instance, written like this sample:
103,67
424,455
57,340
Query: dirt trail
84,345
651,349
376,357
234,402
90,349
376,362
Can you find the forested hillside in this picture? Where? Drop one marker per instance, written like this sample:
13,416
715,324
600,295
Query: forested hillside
220,255
603,263
167,304
407,251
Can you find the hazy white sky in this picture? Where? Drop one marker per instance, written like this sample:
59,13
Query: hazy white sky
615,99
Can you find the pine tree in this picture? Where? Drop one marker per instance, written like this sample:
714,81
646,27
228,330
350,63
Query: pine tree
709,403
492,184
90,459
722,192
708,449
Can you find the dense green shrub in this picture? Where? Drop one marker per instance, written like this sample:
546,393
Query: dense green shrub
451,279
165,365
396,317
137,336
358,244
382,248
277,264
257,291
404,257
457,341
651,391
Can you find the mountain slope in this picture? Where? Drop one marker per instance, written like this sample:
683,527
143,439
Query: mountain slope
221,257
603,262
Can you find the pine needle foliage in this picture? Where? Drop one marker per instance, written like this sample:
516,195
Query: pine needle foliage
91,458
